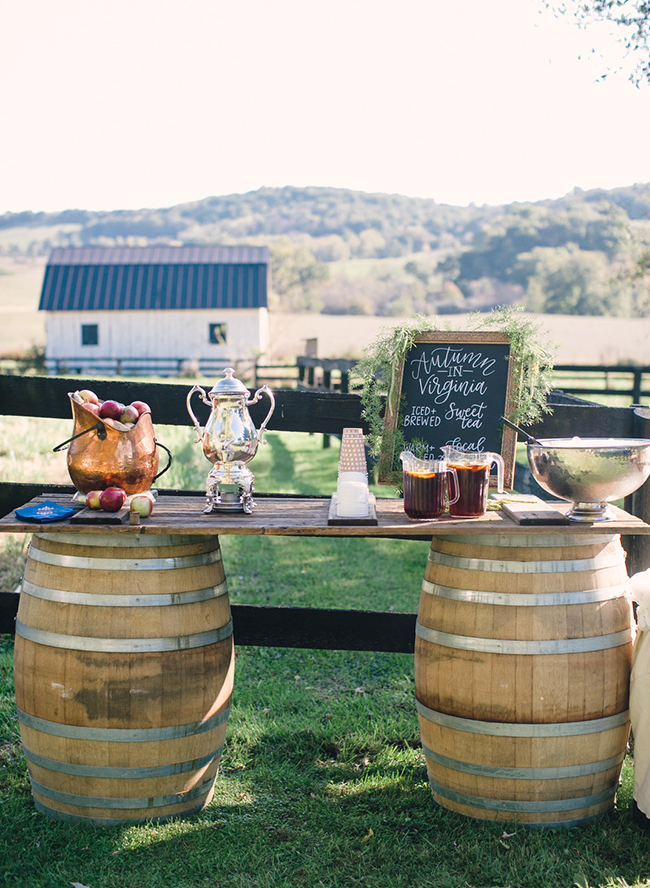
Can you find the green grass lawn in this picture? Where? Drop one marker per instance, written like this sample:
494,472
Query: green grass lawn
322,780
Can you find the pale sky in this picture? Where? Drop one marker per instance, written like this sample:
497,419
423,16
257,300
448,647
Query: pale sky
150,103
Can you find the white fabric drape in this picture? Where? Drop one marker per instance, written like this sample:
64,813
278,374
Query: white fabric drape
640,691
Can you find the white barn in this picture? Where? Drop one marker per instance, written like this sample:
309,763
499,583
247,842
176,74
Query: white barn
153,309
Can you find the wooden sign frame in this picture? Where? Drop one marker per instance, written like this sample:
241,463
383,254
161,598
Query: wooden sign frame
395,401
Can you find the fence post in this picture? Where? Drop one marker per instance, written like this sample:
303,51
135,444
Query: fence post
636,386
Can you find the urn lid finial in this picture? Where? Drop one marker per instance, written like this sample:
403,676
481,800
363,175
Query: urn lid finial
229,385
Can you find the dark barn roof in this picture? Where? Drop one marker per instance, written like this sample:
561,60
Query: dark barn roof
133,278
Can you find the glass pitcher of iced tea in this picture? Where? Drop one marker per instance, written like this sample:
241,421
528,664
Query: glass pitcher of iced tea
473,471
427,484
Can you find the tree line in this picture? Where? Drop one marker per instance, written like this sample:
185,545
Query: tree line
347,252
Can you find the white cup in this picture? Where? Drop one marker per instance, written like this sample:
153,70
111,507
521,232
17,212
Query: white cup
352,495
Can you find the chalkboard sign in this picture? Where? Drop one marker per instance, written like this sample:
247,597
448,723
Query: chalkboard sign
452,389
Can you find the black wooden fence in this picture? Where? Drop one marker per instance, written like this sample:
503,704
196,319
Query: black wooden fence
613,380
307,411
609,380
334,374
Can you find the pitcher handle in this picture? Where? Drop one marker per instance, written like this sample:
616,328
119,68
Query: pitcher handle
256,397
454,475
195,422
100,428
169,459
501,469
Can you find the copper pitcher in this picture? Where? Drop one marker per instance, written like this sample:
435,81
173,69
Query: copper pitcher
100,456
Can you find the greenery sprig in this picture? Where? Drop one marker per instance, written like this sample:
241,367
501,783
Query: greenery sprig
532,359
378,373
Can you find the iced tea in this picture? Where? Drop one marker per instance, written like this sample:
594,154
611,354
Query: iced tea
474,485
425,494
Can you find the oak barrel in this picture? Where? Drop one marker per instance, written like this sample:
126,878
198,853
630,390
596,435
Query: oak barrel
522,666
124,673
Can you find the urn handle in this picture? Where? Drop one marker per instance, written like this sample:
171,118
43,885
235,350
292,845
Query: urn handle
256,397
195,422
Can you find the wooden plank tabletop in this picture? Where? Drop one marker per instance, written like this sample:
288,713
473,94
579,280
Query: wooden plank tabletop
298,516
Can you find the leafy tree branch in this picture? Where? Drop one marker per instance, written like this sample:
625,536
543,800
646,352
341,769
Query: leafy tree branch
632,17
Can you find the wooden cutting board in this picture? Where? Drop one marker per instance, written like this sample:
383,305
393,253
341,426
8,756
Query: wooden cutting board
98,517
537,513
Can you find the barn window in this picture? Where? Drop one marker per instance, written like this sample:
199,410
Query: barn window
218,334
89,334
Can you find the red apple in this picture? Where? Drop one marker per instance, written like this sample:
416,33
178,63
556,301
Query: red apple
92,408
141,407
88,396
130,414
112,499
92,499
142,503
111,410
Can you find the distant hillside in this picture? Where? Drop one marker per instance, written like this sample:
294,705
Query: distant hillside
343,252
378,225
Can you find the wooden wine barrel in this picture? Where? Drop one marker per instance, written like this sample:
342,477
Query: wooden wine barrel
522,665
124,671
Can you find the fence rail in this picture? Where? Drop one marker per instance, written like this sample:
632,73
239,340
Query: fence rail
332,374
616,380
136,366
252,372
594,379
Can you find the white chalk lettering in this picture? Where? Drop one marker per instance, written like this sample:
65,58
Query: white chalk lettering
449,359
470,417
467,446
431,420
442,389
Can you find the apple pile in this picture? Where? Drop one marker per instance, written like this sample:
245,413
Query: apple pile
110,500
113,498
122,417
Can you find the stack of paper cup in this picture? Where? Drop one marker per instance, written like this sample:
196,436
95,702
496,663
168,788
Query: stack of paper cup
353,454
352,488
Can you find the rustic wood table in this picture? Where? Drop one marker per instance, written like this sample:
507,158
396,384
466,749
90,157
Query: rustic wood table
288,515
307,516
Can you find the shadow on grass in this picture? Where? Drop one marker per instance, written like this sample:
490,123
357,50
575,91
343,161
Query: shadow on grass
282,466
374,574
304,812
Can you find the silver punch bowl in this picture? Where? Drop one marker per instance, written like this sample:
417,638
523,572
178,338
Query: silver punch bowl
590,472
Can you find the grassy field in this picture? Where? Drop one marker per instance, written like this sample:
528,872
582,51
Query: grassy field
322,781
580,339
21,325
